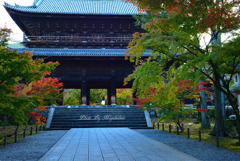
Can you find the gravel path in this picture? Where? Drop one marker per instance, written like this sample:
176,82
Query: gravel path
200,150
32,147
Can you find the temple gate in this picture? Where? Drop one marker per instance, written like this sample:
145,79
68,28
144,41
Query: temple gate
88,38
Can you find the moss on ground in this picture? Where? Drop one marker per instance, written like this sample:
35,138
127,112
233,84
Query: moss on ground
228,143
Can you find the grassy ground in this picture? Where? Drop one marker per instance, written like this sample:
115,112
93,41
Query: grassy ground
225,142
10,130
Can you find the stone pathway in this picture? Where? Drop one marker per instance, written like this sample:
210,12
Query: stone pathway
111,144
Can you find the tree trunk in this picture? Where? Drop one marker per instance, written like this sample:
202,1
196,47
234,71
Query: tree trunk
16,129
179,124
203,104
233,102
219,121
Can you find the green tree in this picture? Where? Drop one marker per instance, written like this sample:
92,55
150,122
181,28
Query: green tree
174,36
170,105
16,69
72,97
124,97
96,95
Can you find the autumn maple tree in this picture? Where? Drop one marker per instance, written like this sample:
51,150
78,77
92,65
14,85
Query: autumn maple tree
171,105
48,91
184,36
17,72
47,88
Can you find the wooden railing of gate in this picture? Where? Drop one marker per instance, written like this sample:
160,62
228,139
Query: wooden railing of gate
77,39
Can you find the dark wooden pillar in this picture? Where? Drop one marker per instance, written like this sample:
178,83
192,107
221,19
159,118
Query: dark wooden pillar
134,96
88,96
113,89
109,96
84,90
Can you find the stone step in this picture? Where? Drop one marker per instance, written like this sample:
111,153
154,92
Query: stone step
94,112
88,116
95,108
94,119
98,125
78,119
77,115
101,121
72,111
62,111
98,106
64,128
100,114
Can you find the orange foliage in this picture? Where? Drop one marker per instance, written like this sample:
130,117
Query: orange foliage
42,108
47,84
207,14
37,117
40,120
44,88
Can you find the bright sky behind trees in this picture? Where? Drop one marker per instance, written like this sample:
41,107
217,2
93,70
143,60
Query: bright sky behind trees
6,21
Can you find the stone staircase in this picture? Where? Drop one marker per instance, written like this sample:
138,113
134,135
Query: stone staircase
97,116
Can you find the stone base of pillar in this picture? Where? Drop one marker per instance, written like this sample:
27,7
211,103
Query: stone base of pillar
113,100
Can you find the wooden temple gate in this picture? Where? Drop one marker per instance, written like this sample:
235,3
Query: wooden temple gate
88,38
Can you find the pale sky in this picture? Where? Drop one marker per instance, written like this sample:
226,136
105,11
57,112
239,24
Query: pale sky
6,20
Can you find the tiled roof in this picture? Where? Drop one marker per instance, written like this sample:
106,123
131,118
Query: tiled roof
76,52
89,7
